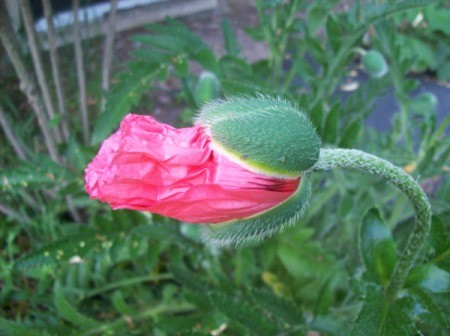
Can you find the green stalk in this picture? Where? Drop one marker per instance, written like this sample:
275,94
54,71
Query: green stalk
352,158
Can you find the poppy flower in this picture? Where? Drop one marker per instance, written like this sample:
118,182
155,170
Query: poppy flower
227,170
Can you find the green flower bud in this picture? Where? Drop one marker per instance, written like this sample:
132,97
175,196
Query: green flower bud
375,64
208,88
270,137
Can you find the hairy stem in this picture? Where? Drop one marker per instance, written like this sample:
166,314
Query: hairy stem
351,158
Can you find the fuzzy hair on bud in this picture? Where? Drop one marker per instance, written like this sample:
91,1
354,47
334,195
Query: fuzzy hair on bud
253,229
266,135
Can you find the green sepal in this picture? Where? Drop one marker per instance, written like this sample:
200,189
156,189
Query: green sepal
256,228
266,135
377,248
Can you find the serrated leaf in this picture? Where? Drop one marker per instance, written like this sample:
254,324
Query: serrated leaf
187,278
317,115
120,305
380,318
331,127
208,60
174,28
126,94
333,32
351,133
172,44
10,328
231,45
281,309
377,247
437,18
375,12
240,311
429,277
181,66
316,17
174,325
34,174
68,312
438,238
59,251
435,312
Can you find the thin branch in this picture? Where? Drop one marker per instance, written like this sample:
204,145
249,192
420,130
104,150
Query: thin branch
11,136
80,71
108,52
27,83
4,209
54,59
37,62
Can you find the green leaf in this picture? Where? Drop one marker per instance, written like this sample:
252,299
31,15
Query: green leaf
435,312
331,128
351,134
10,328
57,252
317,115
208,60
240,311
437,18
429,277
174,325
279,308
379,318
181,66
68,312
120,305
438,238
231,45
375,12
303,257
334,32
32,174
126,94
377,247
316,17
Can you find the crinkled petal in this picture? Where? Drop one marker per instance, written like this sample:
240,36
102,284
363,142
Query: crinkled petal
154,167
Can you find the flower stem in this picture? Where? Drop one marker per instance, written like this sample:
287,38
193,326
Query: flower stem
351,158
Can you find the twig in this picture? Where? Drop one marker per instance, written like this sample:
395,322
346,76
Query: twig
12,213
108,52
27,83
37,62
80,71
54,59
11,136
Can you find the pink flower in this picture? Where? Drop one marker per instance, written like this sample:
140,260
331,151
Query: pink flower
178,173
